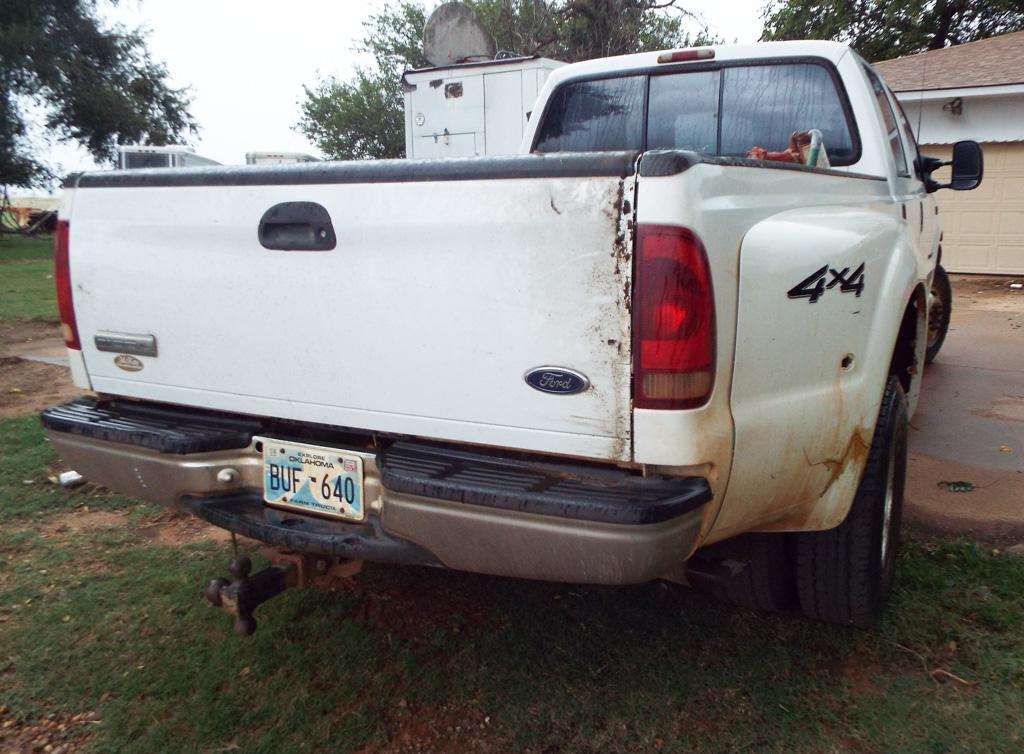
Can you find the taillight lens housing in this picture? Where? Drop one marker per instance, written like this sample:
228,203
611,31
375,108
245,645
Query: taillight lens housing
673,320
62,271
682,56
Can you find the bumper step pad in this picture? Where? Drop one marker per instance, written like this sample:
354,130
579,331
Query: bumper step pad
169,429
565,490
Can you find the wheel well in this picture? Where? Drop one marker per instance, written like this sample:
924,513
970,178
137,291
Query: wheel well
905,363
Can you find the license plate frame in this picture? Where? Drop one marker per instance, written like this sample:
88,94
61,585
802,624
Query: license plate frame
313,479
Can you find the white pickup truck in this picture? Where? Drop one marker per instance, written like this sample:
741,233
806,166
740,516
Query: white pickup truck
657,344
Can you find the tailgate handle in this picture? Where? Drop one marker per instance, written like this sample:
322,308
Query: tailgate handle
297,226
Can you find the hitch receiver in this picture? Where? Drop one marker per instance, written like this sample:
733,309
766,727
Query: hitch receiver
244,593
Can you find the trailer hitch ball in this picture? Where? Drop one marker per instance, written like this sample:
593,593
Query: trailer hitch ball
212,591
244,593
240,567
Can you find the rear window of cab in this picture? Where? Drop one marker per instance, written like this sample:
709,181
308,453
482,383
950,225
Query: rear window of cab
725,111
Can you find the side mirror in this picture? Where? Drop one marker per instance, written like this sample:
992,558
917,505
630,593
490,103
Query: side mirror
968,167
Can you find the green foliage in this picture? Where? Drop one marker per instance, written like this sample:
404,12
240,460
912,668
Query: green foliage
96,84
358,119
363,118
881,29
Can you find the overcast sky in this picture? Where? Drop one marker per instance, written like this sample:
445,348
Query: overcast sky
245,61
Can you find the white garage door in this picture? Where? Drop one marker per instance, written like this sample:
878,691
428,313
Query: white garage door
984,228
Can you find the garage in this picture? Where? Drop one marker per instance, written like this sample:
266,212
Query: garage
984,228
972,91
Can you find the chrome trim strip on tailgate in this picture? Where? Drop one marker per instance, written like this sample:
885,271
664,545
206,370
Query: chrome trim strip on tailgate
136,345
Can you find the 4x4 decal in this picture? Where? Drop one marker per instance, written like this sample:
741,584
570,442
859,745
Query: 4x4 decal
813,286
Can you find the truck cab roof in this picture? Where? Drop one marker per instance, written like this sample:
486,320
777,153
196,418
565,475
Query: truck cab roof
831,51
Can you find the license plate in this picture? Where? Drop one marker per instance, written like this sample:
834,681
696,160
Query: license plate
313,479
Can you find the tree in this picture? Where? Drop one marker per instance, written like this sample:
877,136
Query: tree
363,118
884,29
94,84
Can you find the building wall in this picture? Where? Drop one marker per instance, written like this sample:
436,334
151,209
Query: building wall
982,119
984,228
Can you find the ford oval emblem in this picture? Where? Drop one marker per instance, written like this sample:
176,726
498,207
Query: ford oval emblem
128,363
556,380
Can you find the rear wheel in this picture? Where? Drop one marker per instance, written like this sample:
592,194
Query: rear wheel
939,312
844,574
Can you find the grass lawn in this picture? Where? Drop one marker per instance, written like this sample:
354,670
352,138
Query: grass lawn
107,621
27,288
26,247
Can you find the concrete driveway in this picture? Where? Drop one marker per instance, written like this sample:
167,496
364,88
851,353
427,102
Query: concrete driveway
969,425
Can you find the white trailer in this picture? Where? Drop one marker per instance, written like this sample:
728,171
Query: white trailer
469,109
173,156
278,158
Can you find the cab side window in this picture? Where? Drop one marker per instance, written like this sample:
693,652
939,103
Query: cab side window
908,133
892,130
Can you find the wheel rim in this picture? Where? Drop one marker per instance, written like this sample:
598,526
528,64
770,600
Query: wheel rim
936,313
887,506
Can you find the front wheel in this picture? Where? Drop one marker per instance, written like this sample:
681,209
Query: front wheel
844,574
939,311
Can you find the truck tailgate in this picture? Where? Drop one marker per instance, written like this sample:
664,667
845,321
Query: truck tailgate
449,281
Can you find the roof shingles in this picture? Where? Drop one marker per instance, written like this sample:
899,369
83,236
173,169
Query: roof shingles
986,62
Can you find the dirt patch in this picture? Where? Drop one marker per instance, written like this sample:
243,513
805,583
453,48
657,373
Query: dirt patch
986,292
437,730
993,508
29,386
55,733
860,675
83,519
175,528
19,335
172,528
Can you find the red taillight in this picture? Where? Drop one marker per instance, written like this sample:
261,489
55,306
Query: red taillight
65,304
673,320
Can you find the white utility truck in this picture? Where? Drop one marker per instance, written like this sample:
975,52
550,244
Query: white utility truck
475,108
657,344
278,158
173,156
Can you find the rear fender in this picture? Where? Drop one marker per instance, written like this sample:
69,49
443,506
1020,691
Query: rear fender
823,291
